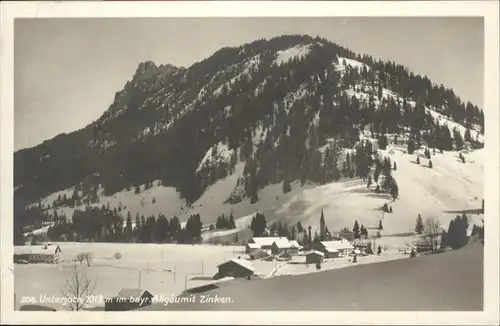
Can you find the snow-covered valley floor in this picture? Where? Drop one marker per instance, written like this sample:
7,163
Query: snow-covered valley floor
165,270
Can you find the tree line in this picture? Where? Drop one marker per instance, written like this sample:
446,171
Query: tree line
103,225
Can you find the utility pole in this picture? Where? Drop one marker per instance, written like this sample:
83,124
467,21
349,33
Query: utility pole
310,239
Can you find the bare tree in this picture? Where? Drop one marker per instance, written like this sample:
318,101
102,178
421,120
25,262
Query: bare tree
84,257
78,287
431,231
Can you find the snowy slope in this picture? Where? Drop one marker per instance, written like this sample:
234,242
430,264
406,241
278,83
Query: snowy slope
448,189
298,51
346,62
217,153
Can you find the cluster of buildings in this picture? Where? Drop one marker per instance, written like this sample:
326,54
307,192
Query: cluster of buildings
269,248
36,254
272,245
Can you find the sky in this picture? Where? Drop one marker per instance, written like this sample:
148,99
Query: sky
67,71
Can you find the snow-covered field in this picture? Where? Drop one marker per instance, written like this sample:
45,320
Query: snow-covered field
165,269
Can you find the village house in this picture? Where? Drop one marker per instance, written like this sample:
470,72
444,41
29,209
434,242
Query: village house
334,249
258,254
266,243
35,255
314,257
282,245
128,299
347,234
250,247
236,268
361,245
296,245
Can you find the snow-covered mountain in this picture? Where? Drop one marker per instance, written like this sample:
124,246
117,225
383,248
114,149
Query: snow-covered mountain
279,126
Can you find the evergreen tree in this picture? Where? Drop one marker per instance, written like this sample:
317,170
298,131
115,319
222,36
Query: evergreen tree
322,226
458,140
300,229
369,183
232,225
286,186
393,188
419,227
383,142
380,227
411,146
467,136
259,225
457,232
418,160
355,229
395,166
379,250
430,164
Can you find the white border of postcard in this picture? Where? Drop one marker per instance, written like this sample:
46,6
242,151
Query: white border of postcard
487,9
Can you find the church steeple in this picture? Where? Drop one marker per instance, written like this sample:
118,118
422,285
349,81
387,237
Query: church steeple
322,226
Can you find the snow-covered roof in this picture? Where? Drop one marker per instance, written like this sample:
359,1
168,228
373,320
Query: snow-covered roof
19,250
242,262
267,241
336,245
295,244
253,245
315,252
283,243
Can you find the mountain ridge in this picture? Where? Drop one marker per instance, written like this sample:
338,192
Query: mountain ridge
278,106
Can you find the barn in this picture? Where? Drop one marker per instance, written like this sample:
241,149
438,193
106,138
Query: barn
333,249
282,245
258,254
250,247
128,299
236,268
314,257
330,252
265,243
35,255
